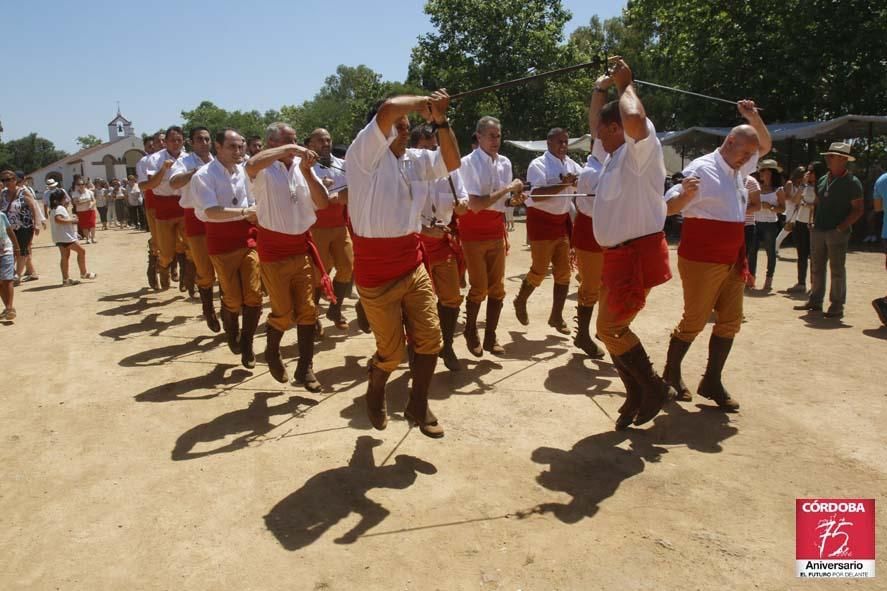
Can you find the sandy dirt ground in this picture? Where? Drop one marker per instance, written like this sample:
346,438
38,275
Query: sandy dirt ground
138,454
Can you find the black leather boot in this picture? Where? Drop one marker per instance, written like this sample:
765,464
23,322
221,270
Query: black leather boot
334,311
152,267
377,410
556,318
633,395
520,302
472,340
251,316
677,349
362,321
181,264
209,310
711,386
655,391
583,338
448,317
272,354
494,311
417,411
230,322
304,375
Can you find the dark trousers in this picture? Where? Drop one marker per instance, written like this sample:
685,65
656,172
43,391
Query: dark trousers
765,235
750,234
103,214
801,234
137,216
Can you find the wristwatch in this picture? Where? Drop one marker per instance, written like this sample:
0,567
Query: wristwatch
435,125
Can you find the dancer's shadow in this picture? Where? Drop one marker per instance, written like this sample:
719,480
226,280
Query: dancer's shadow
184,389
596,466
150,324
332,495
248,424
580,376
447,383
818,321
346,376
547,349
122,297
137,307
876,333
162,355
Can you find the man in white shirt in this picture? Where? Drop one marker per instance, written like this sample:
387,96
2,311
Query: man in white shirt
712,258
170,217
199,269
491,188
152,144
287,193
553,173
447,198
589,254
628,217
329,232
222,199
388,189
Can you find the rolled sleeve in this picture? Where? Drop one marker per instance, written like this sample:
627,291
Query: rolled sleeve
641,153
368,147
203,192
536,174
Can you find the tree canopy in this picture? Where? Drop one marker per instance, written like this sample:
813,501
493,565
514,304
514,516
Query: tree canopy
29,153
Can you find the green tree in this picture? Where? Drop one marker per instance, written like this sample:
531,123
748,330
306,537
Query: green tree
481,42
29,153
88,141
802,59
342,103
248,123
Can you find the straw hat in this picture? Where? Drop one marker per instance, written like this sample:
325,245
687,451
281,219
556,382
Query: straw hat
771,164
839,149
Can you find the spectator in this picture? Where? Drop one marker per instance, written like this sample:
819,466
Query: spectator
838,206
64,234
84,206
134,202
754,203
101,202
118,197
24,216
9,248
802,198
880,197
769,176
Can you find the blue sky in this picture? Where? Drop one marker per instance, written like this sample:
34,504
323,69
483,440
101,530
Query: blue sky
68,63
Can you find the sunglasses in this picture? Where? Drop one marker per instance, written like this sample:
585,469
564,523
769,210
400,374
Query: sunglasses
8,179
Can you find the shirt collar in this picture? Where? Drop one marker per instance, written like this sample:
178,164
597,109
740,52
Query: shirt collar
486,157
723,163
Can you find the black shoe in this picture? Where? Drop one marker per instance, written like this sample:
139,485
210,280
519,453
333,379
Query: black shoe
834,313
711,386
809,307
880,306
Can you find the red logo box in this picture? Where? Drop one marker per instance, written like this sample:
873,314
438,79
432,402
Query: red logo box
835,538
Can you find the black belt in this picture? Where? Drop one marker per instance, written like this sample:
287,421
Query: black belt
627,242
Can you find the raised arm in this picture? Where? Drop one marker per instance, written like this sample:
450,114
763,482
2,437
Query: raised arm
598,100
266,158
749,112
446,139
319,195
631,109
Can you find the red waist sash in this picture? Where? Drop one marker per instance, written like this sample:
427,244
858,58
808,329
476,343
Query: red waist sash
149,199
483,225
542,225
583,234
275,246
380,260
332,216
631,269
193,226
714,241
229,236
166,207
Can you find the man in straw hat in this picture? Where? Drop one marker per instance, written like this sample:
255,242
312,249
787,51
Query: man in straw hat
712,258
838,206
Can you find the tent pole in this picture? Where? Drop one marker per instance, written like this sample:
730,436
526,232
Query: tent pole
683,147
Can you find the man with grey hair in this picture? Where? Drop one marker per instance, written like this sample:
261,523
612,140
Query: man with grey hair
491,188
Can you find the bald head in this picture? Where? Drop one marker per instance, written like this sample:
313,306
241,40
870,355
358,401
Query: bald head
321,142
740,145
